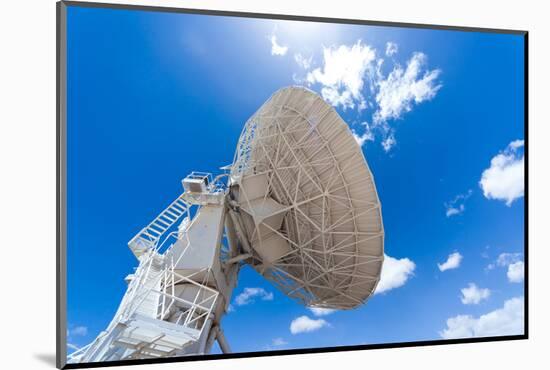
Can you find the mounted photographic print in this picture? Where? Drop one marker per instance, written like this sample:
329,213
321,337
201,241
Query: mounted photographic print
234,184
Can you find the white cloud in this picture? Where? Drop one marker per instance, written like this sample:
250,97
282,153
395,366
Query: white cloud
302,61
318,311
400,90
503,180
453,211
334,97
78,330
277,49
304,324
368,135
516,144
343,72
249,294
485,252
277,342
456,205
388,143
361,139
505,259
395,273
351,77
391,48
453,262
405,87
507,320
514,263
515,272
474,295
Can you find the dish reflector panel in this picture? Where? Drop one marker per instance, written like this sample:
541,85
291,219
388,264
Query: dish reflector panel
307,202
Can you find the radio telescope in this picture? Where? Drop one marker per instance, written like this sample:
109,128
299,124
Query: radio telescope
298,204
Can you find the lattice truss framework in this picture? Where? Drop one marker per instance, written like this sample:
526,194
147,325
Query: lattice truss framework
332,221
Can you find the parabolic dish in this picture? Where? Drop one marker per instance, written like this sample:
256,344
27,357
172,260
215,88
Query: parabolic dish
307,202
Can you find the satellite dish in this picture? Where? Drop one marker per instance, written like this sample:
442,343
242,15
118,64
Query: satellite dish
307,203
300,206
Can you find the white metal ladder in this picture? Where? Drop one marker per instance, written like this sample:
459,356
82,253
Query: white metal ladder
149,236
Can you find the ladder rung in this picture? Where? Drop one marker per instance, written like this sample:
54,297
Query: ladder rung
164,222
170,219
149,235
151,230
159,228
181,202
178,207
173,214
159,232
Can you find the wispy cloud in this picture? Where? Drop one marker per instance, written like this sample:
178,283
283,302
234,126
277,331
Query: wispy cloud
367,135
456,206
389,142
395,273
304,324
453,211
503,180
319,311
302,61
514,264
77,331
391,48
405,87
505,259
74,331
276,48
362,139
278,342
250,294
507,320
452,262
474,295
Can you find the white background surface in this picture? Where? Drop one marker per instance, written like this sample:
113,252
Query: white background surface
27,185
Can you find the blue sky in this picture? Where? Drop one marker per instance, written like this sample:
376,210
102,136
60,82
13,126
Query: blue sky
439,115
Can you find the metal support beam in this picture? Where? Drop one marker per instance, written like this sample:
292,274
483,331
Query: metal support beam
224,346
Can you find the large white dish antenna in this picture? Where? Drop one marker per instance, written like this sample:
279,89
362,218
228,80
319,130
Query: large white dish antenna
305,202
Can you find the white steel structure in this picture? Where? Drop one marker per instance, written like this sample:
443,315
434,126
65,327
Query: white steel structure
299,205
309,210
